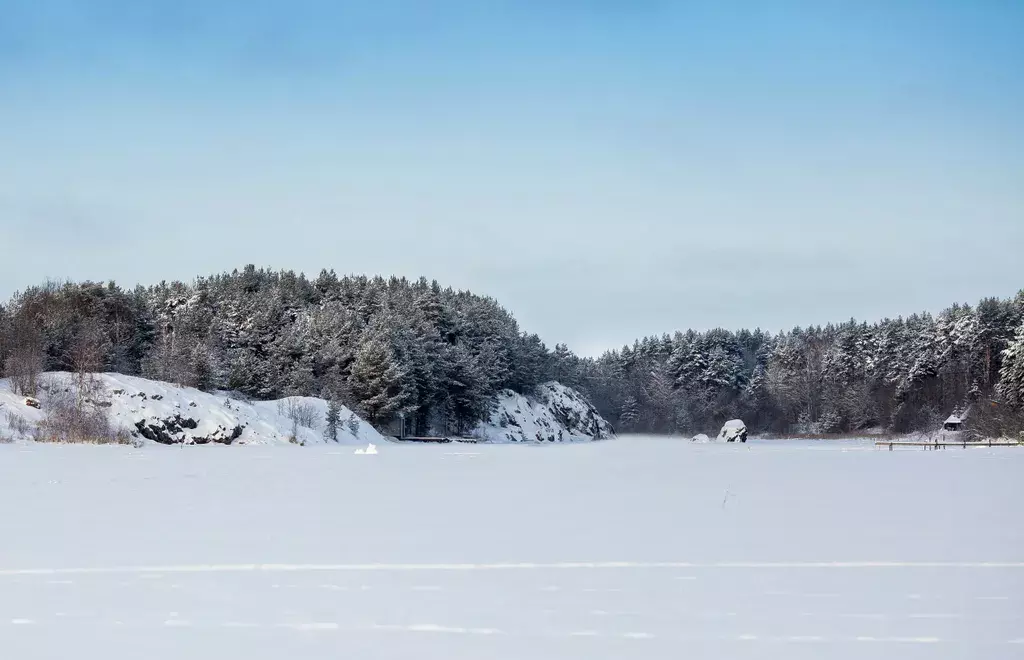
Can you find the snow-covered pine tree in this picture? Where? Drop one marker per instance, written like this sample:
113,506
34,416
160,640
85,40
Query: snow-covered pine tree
1011,375
466,400
332,419
379,381
629,416
565,366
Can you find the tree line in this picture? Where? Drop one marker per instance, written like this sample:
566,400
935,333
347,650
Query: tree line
384,347
390,347
902,374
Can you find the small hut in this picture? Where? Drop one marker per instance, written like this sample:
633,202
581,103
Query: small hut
957,420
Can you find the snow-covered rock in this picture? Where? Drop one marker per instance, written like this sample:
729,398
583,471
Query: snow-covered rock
732,431
701,438
169,414
554,413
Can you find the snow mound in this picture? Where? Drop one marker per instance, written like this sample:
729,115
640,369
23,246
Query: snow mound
701,438
370,449
732,431
169,414
554,413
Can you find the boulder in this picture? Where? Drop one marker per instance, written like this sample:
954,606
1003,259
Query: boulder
700,437
732,431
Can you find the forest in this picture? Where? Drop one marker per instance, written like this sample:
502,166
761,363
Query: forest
390,346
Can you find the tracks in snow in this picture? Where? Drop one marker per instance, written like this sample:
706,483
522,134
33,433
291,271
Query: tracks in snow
502,566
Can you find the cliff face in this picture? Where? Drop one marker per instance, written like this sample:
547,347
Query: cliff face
554,413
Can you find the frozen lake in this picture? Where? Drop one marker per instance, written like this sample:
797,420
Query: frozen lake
636,548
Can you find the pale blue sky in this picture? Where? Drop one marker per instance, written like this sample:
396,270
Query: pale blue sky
604,169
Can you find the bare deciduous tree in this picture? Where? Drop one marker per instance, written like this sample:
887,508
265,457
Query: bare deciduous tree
300,414
25,357
89,349
75,416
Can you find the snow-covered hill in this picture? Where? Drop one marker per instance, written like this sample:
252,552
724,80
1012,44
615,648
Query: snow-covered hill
161,412
556,413
169,414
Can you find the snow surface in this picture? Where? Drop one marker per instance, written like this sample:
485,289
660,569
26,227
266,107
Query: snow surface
633,548
133,400
555,413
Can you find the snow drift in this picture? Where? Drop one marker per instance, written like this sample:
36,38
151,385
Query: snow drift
554,413
169,414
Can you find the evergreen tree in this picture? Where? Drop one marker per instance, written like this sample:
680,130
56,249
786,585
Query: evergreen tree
332,419
378,380
629,416
1011,375
466,398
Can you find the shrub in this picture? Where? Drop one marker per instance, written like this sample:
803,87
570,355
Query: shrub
301,414
72,415
18,424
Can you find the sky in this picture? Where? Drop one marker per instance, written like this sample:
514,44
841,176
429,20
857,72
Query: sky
606,170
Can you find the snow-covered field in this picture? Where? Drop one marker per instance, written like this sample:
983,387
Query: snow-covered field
631,548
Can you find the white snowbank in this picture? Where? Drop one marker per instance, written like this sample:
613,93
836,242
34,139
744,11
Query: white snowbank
172,414
701,438
555,413
732,431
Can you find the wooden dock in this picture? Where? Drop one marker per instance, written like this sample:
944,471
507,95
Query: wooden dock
942,444
435,440
411,438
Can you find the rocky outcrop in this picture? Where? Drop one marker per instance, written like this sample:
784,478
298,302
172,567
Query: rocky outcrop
574,413
174,430
553,413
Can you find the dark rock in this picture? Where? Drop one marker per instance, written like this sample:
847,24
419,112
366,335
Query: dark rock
171,431
154,432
